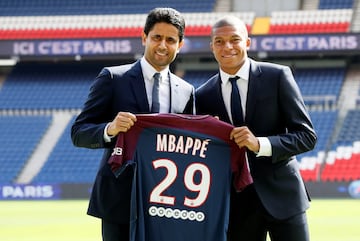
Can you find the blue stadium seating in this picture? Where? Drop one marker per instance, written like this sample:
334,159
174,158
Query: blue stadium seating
198,77
350,131
69,164
335,4
84,7
324,123
47,86
20,135
320,83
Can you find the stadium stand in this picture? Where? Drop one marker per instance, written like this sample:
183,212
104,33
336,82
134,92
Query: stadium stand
320,86
47,86
67,164
15,152
324,123
79,7
198,77
343,163
33,91
311,21
99,26
335,4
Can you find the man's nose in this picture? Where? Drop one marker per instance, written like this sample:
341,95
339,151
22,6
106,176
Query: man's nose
228,44
163,43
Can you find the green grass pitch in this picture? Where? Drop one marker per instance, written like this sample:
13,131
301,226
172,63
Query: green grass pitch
329,220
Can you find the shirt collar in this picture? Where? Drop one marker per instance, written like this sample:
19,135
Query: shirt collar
243,72
149,71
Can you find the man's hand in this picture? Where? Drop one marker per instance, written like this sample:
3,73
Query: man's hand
243,137
121,123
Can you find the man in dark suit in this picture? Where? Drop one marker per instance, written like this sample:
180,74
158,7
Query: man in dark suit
273,126
117,94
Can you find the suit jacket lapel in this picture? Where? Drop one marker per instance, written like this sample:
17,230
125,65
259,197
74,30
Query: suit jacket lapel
176,94
217,102
253,88
138,87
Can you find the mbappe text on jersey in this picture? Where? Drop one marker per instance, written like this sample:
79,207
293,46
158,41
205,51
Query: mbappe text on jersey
182,144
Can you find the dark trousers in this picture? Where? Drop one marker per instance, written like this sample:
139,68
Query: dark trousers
114,231
249,221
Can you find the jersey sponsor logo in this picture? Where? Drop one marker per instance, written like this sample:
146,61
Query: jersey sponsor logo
176,214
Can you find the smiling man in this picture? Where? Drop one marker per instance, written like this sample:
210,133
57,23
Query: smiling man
117,94
264,103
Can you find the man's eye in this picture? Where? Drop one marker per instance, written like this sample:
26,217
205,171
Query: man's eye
156,37
171,40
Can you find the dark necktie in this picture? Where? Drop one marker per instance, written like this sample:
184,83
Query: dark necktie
236,109
155,106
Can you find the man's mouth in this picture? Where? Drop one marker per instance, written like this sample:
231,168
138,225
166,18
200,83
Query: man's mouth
228,55
160,53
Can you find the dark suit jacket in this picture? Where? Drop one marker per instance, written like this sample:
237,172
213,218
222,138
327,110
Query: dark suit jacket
119,88
274,109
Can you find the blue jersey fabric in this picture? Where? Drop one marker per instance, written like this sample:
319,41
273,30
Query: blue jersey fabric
183,172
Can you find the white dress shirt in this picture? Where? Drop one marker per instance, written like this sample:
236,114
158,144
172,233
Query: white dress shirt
243,84
164,89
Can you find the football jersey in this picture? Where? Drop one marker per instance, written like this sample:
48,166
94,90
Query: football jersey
183,168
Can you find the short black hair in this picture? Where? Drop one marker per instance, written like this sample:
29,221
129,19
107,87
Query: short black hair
165,15
229,20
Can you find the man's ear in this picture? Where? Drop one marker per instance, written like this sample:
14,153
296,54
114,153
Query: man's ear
248,43
143,38
181,44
